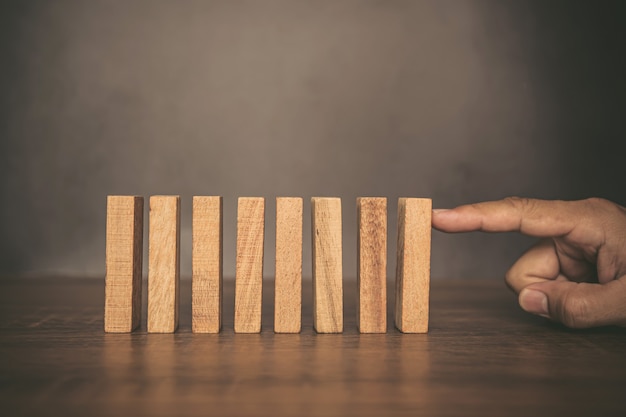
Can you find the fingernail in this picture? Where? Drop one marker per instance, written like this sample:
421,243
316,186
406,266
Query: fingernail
534,302
436,211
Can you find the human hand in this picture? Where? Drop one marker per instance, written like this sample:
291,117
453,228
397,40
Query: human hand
576,273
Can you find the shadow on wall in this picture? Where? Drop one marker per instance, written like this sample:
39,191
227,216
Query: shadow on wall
456,101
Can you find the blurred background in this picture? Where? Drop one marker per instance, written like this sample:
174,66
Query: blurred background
459,101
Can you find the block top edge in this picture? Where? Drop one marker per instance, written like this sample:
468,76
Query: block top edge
418,199
251,199
325,198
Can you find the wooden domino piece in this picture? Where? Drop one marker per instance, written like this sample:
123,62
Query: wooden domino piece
327,264
372,264
288,277
249,264
413,264
207,275
163,264
124,251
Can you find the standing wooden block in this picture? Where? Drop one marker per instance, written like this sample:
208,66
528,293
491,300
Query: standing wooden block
207,277
288,284
372,264
163,264
124,249
249,265
413,267
327,265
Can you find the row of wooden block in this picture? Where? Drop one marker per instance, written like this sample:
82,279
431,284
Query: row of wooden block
124,248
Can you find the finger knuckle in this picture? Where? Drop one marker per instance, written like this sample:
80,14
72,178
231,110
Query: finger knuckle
599,202
608,210
575,311
509,278
525,207
513,278
520,203
515,200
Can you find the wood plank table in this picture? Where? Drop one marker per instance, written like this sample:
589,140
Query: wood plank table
482,357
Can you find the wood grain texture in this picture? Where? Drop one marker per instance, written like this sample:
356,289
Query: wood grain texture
326,234
249,264
483,357
413,264
372,264
207,264
164,264
288,278
124,253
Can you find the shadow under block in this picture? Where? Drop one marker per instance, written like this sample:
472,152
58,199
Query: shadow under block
249,264
124,250
207,268
413,264
163,264
288,282
372,265
327,265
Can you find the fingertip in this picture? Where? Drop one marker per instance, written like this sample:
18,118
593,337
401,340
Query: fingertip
535,302
444,220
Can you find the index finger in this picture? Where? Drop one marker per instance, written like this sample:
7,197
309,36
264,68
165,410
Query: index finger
539,218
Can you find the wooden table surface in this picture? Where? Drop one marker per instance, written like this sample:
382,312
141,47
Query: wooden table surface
482,357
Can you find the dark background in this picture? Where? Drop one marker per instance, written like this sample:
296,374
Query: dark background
460,101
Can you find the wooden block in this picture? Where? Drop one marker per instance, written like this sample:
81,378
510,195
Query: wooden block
327,265
124,250
413,264
207,276
163,264
249,264
288,283
372,264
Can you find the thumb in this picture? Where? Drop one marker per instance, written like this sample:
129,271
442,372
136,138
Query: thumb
577,305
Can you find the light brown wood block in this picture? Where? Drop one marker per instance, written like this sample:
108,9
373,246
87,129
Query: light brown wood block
207,275
413,264
163,264
372,264
288,277
327,264
124,250
249,264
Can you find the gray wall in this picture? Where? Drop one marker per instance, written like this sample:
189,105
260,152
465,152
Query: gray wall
455,100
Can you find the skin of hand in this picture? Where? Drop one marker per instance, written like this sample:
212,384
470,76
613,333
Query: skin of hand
576,273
